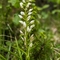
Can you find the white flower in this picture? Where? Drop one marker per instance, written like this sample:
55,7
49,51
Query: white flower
31,22
28,29
32,26
31,37
28,18
23,23
30,10
20,16
28,5
22,13
29,13
21,4
31,44
21,32
23,1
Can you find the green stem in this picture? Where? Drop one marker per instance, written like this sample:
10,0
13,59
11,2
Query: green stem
9,52
18,50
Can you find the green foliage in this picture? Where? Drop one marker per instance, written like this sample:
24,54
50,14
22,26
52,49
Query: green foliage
27,35
16,19
0,6
14,3
55,11
55,1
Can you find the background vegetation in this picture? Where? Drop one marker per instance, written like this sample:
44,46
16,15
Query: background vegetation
42,43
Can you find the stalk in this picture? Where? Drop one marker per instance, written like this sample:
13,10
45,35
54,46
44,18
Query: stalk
27,23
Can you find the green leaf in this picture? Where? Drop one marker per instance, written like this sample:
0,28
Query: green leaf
0,6
54,11
44,15
45,6
14,3
2,57
58,1
54,1
16,19
8,43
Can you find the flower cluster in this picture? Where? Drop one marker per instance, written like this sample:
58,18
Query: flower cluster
25,6
26,21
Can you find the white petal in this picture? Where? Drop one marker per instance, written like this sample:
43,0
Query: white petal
21,32
20,16
31,22
23,1
30,44
30,10
28,5
29,13
23,23
22,13
28,29
32,26
28,18
21,4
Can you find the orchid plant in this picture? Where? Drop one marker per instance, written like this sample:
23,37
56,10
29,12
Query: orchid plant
27,22
29,29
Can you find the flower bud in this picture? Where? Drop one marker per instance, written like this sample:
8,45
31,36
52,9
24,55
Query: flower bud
23,1
28,18
28,29
21,32
22,13
32,26
31,22
20,16
29,13
21,4
31,44
28,5
23,23
30,10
